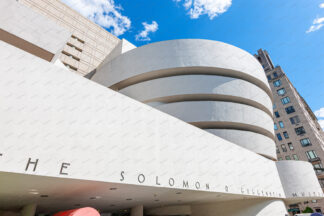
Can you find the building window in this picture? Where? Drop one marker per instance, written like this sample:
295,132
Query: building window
74,47
305,142
277,149
275,126
295,157
290,146
321,181
285,133
274,106
277,83
311,154
70,66
300,130
280,158
318,168
294,120
281,124
275,75
279,136
78,39
290,109
285,100
71,56
281,91
287,157
277,114
269,77
283,147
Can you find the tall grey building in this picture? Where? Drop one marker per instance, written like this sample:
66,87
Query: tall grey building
298,134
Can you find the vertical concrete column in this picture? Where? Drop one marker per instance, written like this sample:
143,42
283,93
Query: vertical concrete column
28,210
137,210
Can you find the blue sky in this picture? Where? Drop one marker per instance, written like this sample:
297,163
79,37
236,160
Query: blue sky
290,30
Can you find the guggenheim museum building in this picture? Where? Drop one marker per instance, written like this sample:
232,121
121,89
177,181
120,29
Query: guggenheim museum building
181,127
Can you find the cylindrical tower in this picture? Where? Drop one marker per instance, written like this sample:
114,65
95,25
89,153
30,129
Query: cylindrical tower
212,85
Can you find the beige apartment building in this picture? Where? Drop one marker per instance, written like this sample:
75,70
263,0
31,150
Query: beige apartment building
298,134
89,43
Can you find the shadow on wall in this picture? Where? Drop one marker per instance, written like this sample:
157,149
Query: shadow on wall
251,207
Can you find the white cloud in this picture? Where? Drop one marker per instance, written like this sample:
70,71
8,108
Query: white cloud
148,28
103,12
319,113
318,23
321,5
212,8
321,123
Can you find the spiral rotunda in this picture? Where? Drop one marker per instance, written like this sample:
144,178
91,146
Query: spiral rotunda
212,85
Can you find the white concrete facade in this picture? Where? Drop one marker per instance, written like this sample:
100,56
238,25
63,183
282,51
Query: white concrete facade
57,124
26,24
68,142
212,85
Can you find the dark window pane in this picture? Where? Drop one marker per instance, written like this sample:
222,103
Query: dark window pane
290,109
279,136
294,120
300,130
277,114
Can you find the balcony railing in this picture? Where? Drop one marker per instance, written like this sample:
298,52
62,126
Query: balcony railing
314,159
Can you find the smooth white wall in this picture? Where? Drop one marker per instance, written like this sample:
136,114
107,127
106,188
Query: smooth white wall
94,133
101,132
253,141
33,27
241,208
199,81
218,111
197,84
179,54
296,177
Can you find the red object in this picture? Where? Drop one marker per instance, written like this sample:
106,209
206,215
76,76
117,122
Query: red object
87,211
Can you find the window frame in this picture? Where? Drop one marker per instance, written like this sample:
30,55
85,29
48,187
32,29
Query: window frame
285,100
314,153
295,157
302,129
285,134
290,109
281,94
283,148
294,120
290,146
277,112
275,83
281,124
279,137
304,145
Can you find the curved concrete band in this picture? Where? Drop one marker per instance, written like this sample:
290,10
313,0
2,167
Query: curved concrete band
176,57
200,87
261,144
218,111
212,85
298,186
